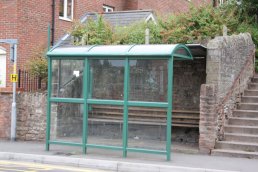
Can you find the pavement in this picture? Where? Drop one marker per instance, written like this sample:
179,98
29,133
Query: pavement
184,158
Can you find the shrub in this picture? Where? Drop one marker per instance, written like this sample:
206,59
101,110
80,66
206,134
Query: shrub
199,24
135,33
38,66
92,32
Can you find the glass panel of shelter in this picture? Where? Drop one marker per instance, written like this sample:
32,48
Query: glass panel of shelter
148,83
148,80
106,79
67,117
67,78
106,82
66,122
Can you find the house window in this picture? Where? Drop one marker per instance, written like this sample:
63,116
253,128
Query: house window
66,9
107,9
2,68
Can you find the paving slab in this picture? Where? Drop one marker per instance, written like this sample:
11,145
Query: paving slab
113,160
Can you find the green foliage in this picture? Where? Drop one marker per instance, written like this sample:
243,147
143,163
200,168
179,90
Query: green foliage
251,28
38,65
100,32
92,32
199,24
135,33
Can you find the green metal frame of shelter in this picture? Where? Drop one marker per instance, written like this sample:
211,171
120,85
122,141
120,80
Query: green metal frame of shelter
125,52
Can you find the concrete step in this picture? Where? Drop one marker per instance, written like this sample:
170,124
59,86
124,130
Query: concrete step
234,153
253,86
254,79
251,92
249,99
240,137
245,113
242,146
243,121
248,106
241,129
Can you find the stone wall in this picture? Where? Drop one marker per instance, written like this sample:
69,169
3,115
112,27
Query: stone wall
31,116
208,118
5,115
229,67
188,77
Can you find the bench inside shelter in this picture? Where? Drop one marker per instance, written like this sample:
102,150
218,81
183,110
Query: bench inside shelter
144,116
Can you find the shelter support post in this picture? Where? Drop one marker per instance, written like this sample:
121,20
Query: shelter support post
48,102
169,109
125,115
86,82
90,81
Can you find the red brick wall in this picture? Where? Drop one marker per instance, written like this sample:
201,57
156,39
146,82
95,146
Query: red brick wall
8,20
131,5
33,19
166,7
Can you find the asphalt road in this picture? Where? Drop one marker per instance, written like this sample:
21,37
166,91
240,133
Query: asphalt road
15,166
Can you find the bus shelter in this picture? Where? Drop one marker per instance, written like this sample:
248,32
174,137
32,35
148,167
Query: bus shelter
108,90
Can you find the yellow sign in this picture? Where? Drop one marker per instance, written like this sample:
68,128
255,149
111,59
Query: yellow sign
14,78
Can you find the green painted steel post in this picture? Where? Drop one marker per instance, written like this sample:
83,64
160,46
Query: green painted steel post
49,103
85,105
125,114
90,85
59,77
169,109
48,37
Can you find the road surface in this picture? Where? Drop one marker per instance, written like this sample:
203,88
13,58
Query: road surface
15,166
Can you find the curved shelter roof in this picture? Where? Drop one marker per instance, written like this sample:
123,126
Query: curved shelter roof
179,51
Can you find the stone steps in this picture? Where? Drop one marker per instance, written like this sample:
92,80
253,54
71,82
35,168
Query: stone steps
240,137
242,146
245,113
248,106
241,132
243,121
249,99
241,129
253,86
234,153
254,79
251,92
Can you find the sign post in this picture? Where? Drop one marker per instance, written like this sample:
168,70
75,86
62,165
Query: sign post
13,120
13,56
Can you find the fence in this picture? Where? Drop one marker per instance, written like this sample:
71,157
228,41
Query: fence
29,83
